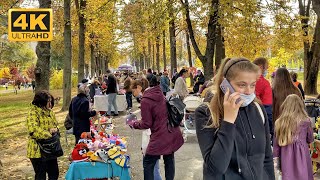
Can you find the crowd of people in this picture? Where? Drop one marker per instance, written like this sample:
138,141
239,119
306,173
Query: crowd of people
242,118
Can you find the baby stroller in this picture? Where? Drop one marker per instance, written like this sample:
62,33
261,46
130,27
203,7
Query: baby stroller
189,127
313,109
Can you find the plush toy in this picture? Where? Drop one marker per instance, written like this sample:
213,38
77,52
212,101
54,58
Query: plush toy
93,156
103,154
84,141
79,153
114,152
123,161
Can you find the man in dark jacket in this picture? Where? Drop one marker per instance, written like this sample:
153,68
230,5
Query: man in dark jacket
149,75
112,93
126,86
80,112
199,79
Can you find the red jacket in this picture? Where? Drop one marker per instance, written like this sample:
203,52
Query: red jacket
264,91
154,116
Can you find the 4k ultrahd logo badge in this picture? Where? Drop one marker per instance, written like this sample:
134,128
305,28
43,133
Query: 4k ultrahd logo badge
30,24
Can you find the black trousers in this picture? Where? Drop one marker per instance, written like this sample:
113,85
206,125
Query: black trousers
42,167
129,99
149,162
77,139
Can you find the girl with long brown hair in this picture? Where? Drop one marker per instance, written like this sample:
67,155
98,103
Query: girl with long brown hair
233,134
293,133
282,87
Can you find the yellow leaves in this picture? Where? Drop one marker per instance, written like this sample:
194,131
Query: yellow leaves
198,63
5,73
282,58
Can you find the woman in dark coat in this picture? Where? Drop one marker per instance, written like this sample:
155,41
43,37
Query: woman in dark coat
80,112
233,135
162,140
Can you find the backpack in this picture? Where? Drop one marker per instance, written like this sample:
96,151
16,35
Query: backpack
175,108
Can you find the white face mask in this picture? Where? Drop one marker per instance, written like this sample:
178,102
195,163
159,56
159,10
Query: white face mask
247,99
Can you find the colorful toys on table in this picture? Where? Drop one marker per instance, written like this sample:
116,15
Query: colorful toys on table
101,146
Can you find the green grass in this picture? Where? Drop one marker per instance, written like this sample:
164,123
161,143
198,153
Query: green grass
14,109
13,133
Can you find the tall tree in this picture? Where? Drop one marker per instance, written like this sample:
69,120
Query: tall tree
207,58
43,48
164,50
219,48
158,53
188,49
173,43
67,57
311,50
81,15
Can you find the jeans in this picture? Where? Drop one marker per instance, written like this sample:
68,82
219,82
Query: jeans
268,109
112,101
129,99
149,163
41,167
156,171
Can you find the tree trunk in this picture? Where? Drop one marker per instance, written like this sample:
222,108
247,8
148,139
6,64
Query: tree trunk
141,62
220,49
149,54
158,53
188,49
98,65
81,37
93,64
313,54
153,58
172,32
103,63
207,59
164,50
106,63
43,62
67,57
144,58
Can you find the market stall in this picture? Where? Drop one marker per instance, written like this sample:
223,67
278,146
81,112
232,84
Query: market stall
100,154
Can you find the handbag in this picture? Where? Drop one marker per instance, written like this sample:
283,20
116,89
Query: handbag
50,148
68,122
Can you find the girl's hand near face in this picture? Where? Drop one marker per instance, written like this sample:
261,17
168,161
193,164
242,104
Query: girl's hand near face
230,107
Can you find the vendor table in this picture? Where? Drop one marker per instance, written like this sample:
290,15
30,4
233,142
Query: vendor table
96,170
101,103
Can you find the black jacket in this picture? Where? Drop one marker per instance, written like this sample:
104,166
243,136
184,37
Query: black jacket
80,114
239,151
111,84
93,88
